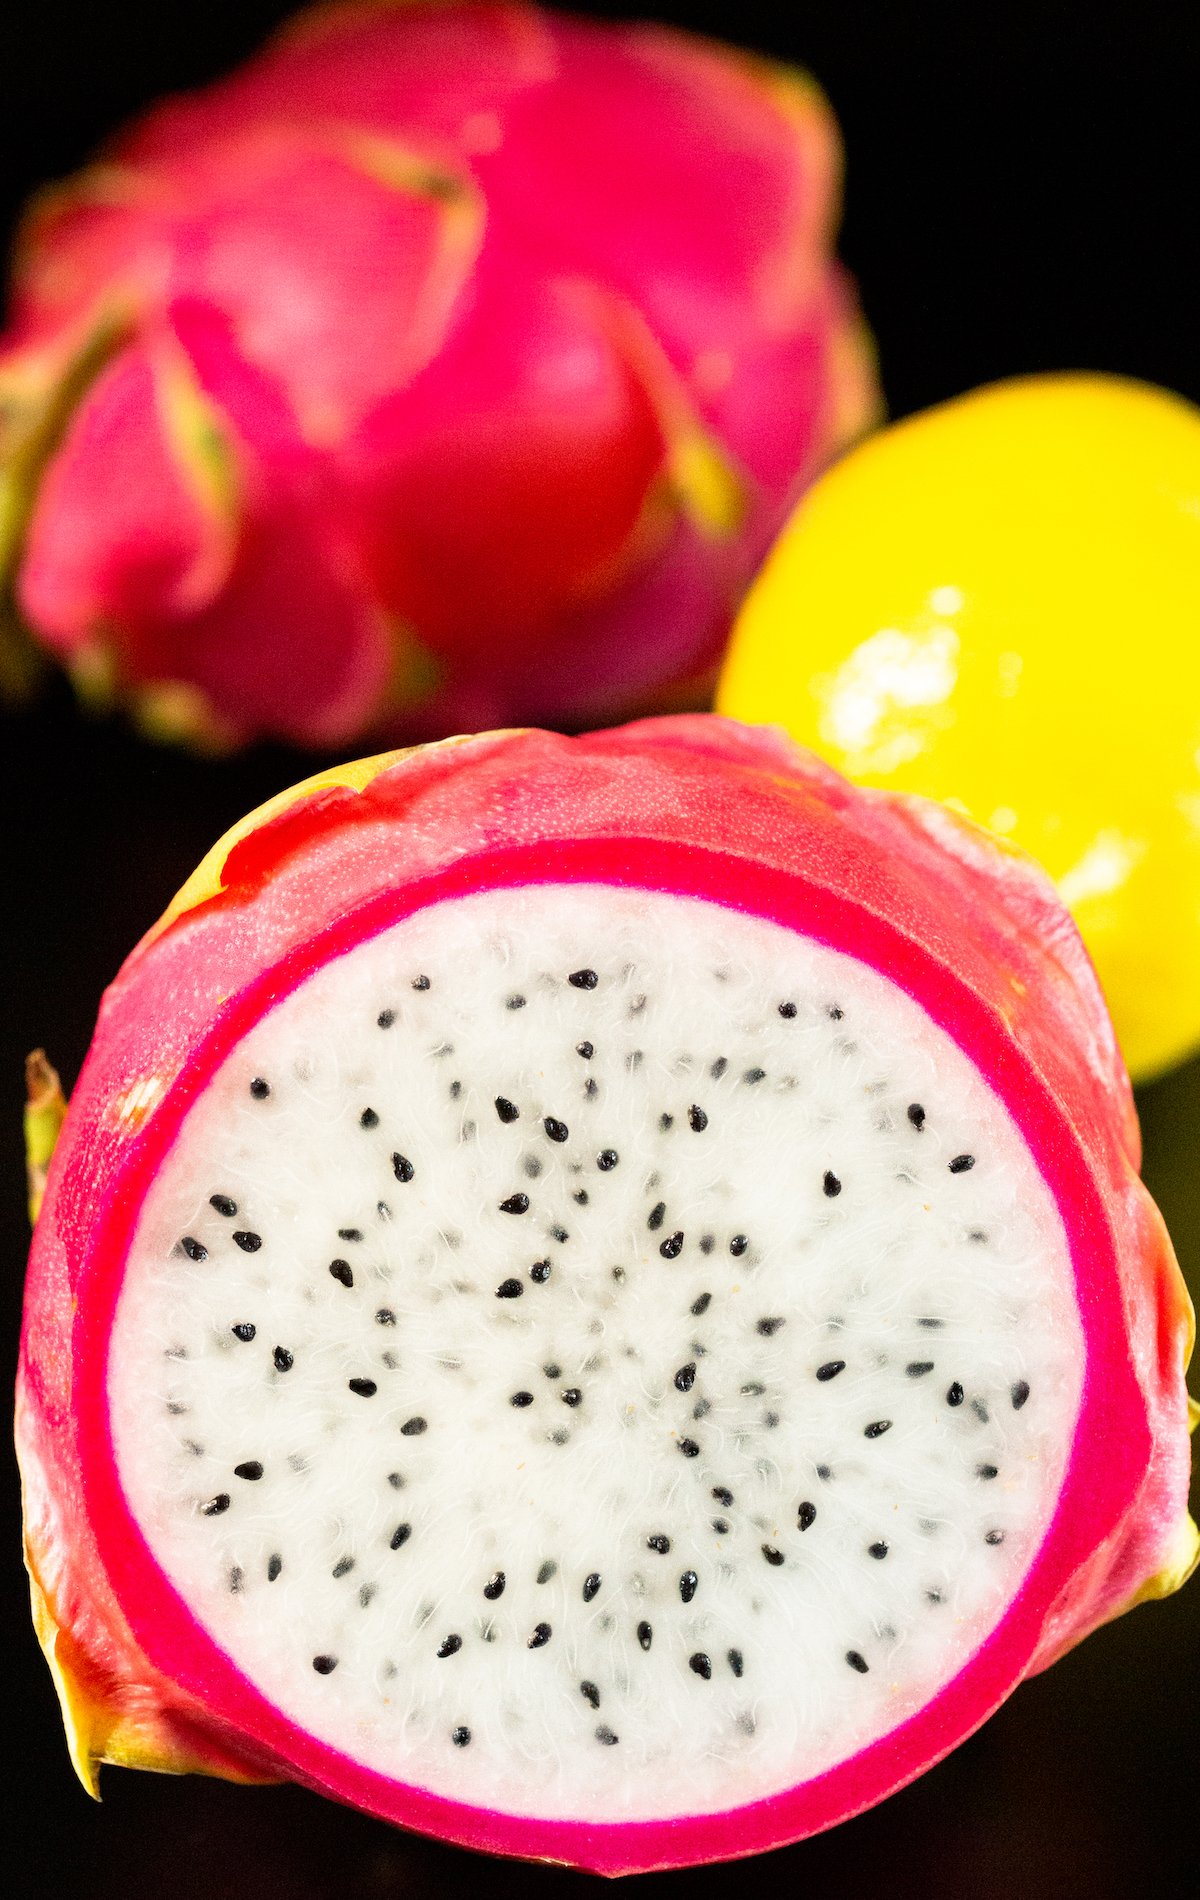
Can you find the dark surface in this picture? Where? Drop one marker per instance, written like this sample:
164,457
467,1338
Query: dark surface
1021,195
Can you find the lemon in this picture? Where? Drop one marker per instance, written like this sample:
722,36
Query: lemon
997,603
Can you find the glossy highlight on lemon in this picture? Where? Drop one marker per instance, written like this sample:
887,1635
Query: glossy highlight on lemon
997,603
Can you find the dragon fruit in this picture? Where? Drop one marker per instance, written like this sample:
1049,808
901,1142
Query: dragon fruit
447,364
593,1300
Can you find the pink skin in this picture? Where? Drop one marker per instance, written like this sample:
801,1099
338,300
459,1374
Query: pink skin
496,269
693,804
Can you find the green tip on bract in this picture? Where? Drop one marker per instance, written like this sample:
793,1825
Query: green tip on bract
45,1107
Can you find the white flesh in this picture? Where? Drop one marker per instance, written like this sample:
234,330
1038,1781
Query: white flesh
489,1486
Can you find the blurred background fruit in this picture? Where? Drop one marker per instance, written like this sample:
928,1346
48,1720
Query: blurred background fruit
447,365
998,603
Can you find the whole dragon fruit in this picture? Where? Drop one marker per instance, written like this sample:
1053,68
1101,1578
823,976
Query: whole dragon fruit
594,1300
445,365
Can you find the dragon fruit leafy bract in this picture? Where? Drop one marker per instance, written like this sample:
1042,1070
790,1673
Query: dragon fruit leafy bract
594,1300
446,364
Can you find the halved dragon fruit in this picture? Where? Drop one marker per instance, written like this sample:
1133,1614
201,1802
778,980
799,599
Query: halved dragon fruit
594,1300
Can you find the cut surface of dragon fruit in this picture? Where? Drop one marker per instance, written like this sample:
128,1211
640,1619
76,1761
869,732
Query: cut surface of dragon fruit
616,1319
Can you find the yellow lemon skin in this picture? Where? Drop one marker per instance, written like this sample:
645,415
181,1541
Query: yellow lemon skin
997,603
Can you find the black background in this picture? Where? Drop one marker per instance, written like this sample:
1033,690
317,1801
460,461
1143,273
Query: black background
1021,195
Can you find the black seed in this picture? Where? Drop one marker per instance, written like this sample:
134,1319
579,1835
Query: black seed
243,1330
831,1368
585,1049
987,1471
386,1018
723,1495
401,1535
572,1395
697,1119
605,1734
515,1002
645,1635
284,1360
274,1567
324,1665
539,1637
349,1233
590,1693
834,1013
880,1426
413,1427
341,1270
916,1115
521,1399
720,1526
700,1665
787,1010
363,1388
551,1370
824,1472
955,1395
658,1542
666,1121
515,1204
961,1163
193,1248
420,983
460,1736
806,1516
396,1480
772,1555
607,1159
581,1197
368,1119
657,1215
994,1537
688,1584
931,1323
507,1111
917,1368
385,1316
455,1092
260,1089
249,1243
216,1505
583,979
831,1184
685,1378
878,1550
771,1419
251,1469
556,1130
539,1272
1020,1393
365,1595
531,1166
738,1245
934,1596
343,1567
494,1587
752,1389
689,1448
980,1410
560,1233
509,1290
857,1662
718,1068
672,1246
590,1586
734,1656
223,1205
769,1327
402,1168
449,1646
702,1304
546,1571
755,1075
